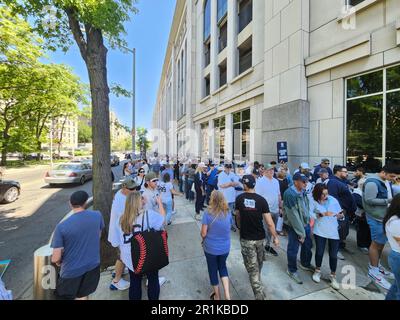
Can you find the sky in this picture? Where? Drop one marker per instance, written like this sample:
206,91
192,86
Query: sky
148,32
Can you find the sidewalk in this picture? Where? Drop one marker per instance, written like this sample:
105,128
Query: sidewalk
187,276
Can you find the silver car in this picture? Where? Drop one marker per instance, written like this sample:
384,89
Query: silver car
69,173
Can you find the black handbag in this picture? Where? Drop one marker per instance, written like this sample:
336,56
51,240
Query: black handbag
149,249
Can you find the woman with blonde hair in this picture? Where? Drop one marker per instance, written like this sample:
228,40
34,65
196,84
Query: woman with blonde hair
133,216
199,183
215,231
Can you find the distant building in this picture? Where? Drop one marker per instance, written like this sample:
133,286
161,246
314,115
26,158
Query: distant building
65,131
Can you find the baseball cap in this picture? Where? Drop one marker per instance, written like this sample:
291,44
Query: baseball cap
300,177
129,183
228,165
325,160
201,165
269,166
305,165
322,170
79,198
249,181
151,176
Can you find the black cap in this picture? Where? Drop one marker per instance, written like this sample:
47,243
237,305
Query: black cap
79,198
300,177
249,181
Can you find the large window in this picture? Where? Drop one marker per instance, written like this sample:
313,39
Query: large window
207,20
223,35
207,86
245,56
245,10
219,139
222,74
205,149
207,53
241,135
353,2
373,119
222,9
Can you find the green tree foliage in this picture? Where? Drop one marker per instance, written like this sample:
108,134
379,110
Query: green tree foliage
142,143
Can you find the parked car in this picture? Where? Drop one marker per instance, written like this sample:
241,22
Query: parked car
9,191
69,173
114,160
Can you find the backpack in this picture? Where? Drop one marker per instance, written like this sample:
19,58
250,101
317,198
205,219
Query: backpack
149,249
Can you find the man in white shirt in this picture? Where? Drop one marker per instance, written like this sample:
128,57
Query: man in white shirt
227,182
268,187
117,210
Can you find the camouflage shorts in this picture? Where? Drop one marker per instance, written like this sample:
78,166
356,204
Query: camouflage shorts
253,253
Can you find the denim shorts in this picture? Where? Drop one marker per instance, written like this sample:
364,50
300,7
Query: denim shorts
377,234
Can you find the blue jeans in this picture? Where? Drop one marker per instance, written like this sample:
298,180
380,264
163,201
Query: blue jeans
168,210
293,249
153,289
394,262
216,264
232,210
180,182
320,244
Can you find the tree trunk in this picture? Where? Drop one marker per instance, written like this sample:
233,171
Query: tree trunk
102,184
4,149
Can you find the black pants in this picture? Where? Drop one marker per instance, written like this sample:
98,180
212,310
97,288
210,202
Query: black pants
320,244
344,230
199,201
209,190
363,232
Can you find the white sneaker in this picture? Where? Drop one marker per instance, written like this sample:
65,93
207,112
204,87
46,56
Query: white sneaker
379,279
334,284
317,277
340,256
161,281
386,273
121,285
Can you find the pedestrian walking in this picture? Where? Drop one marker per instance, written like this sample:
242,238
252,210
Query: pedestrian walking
117,210
226,184
76,249
297,218
251,211
133,216
377,195
327,211
151,192
166,190
268,187
392,229
215,232
199,188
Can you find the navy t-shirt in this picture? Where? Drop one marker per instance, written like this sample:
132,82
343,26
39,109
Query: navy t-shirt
79,236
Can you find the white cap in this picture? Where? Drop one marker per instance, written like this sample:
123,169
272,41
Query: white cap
305,165
202,165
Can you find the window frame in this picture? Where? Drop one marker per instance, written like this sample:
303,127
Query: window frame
384,94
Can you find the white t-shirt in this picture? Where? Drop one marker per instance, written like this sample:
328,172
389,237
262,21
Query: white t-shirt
141,181
150,196
229,193
270,191
327,227
156,222
146,168
249,170
393,230
117,210
165,190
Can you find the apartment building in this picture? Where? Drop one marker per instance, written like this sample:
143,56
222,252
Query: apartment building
240,76
64,131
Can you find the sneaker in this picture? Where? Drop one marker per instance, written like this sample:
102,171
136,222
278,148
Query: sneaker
334,284
310,268
379,279
317,276
173,212
386,273
340,256
161,281
364,250
295,276
271,251
121,285
198,217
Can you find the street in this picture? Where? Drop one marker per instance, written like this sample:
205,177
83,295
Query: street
27,224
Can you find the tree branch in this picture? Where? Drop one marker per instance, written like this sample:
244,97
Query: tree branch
76,31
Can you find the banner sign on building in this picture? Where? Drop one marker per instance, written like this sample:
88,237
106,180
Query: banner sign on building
282,152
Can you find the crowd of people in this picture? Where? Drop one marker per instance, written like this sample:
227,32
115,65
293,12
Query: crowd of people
311,206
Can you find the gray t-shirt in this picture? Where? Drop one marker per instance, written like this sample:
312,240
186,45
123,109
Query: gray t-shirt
151,199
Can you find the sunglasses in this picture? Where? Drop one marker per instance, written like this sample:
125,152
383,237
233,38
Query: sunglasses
141,171
155,180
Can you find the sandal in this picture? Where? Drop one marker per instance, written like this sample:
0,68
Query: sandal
212,296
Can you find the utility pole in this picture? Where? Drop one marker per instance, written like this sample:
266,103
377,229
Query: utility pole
134,102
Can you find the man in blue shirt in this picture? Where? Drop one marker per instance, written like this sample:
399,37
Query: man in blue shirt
211,181
324,165
76,249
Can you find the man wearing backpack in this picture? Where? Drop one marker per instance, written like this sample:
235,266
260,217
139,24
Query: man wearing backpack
377,195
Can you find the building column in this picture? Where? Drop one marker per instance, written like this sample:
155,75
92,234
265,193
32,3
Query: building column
258,31
214,46
232,40
229,137
211,138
